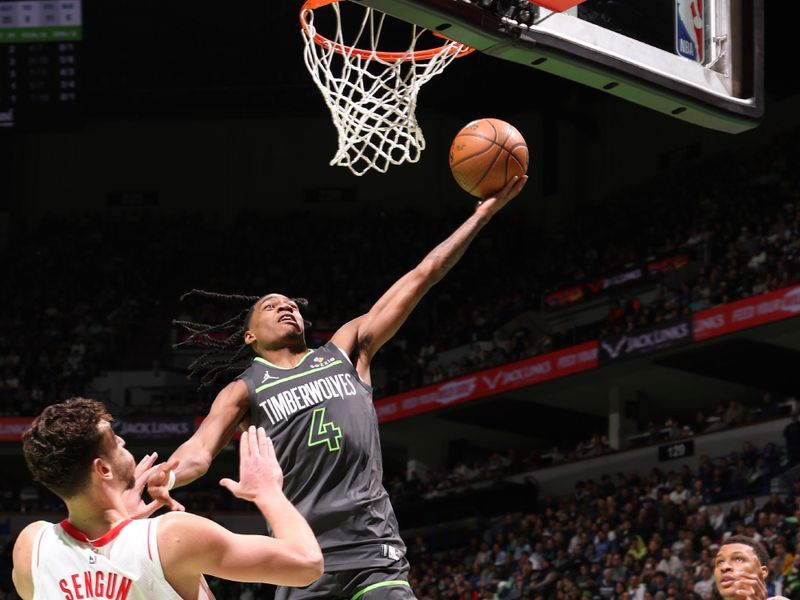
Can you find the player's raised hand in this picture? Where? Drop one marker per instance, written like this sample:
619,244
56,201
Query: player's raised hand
750,587
158,484
491,204
259,471
137,509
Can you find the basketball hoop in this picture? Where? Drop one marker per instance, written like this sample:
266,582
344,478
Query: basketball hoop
372,94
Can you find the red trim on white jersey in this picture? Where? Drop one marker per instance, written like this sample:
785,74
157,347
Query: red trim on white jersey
149,553
39,546
76,533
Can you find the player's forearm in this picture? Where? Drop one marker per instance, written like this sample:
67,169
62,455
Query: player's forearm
194,462
291,528
444,256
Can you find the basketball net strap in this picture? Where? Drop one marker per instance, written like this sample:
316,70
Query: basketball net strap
372,95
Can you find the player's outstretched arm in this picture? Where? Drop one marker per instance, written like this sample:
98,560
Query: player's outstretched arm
361,338
193,458
190,544
21,571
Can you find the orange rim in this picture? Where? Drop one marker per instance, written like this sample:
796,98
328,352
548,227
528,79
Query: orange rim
310,5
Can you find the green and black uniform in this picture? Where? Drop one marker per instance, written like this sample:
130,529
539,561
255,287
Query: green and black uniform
323,425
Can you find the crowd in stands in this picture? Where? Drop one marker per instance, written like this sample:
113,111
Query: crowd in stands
624,537
82,300
742,233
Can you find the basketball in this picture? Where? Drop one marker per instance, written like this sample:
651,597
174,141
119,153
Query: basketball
485,154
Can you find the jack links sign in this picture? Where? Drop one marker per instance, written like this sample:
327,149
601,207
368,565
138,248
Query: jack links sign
645,340
154,429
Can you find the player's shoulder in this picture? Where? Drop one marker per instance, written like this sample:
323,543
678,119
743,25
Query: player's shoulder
28,534
23,547
235,390
180,524
21,572
183,538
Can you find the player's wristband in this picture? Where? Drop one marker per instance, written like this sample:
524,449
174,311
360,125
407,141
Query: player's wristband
171,480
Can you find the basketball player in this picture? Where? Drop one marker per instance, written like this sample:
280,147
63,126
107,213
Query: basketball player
316,405
99,551
741,567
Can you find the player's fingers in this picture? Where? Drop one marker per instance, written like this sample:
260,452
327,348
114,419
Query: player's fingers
146,462
255,444
158,476
174,504
143,478
507,188
150,508
517,186
230,485
162,470
244,445
264,444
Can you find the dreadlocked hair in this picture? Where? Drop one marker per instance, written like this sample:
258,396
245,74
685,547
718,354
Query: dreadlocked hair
223,343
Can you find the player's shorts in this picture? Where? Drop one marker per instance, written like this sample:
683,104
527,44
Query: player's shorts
370,583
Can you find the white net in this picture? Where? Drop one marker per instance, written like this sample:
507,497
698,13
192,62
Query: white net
372,95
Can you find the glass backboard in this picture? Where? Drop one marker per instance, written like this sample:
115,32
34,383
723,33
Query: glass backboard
700,61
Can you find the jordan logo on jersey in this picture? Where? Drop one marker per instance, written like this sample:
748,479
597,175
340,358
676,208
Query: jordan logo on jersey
267,377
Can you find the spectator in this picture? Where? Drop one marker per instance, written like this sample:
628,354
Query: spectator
791,433
704,586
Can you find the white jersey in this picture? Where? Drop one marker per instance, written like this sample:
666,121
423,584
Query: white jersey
124,564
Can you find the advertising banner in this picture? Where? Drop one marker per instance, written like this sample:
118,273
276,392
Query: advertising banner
11,428
589,289
750,312
645,340
486,383
154,429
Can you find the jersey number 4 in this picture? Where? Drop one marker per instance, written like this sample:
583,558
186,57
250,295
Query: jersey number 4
324,432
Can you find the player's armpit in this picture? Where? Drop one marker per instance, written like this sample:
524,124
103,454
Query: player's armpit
363,337
346,338
190,544
23,548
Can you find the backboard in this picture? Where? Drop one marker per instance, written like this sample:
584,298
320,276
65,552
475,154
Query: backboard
700,61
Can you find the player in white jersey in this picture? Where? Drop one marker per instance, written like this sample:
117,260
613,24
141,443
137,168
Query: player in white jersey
100,551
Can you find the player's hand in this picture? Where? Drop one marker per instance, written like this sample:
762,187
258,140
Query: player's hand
750,587
259,471
157,482
137,509
491,204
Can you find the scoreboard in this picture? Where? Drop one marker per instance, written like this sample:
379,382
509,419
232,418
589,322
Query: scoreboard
40,63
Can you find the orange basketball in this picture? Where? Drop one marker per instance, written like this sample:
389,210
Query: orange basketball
485,154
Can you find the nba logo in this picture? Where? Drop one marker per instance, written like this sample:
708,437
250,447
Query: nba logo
690,29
